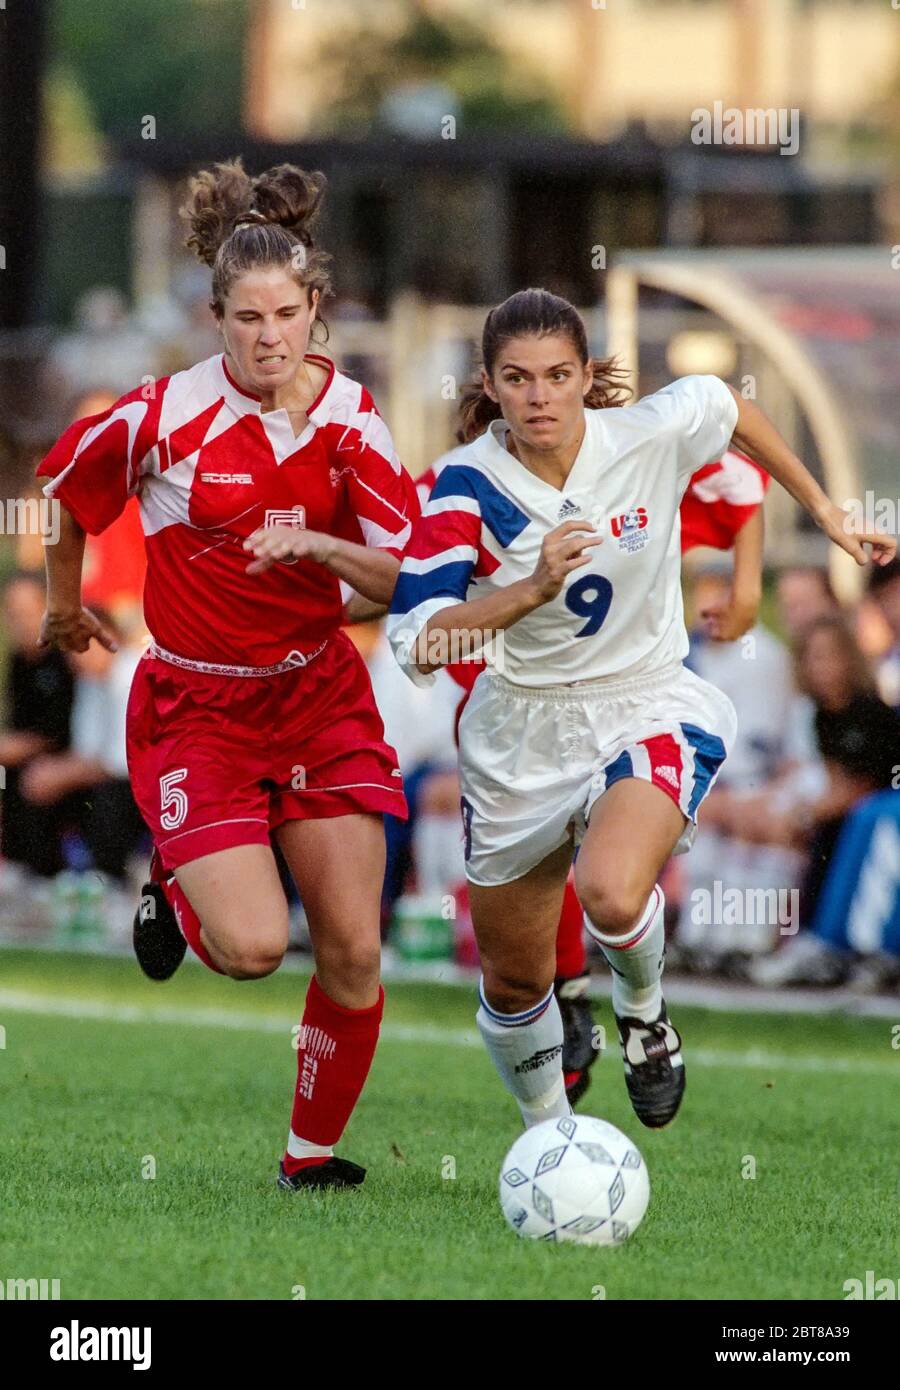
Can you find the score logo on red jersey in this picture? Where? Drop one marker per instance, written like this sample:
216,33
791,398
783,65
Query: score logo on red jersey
286,516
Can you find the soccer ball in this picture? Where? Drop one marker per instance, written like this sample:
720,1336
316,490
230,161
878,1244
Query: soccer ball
577,1179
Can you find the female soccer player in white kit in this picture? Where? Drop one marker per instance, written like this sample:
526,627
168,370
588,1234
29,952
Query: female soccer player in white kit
556,532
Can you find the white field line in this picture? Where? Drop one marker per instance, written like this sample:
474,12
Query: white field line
71,1006
706,994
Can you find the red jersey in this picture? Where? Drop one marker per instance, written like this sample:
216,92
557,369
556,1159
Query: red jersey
720,499
209,467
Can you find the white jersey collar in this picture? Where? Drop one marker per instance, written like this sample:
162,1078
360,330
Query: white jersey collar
490,448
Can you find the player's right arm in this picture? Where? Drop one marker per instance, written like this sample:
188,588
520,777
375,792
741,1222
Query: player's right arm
93,468
67,623
469,623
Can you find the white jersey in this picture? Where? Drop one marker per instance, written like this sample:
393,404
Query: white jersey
483,525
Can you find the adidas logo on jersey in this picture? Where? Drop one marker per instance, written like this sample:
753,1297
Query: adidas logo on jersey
670,775
568,509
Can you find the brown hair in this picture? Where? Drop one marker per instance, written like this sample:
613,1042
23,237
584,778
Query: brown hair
860,676
535,313
239,223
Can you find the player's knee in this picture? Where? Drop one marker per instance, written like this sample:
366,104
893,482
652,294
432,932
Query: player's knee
613,907
514,992
252,962
351,966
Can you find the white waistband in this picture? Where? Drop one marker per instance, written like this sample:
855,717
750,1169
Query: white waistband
293,661
604,688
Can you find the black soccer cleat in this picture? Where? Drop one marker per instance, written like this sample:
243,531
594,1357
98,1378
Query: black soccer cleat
158,942
334,1172
579,1053
654,1068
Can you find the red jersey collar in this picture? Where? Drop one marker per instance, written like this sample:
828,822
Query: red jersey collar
317,404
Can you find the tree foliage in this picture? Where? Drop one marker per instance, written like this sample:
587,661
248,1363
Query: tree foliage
492,92
179,61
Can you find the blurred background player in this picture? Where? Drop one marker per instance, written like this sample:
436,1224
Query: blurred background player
38,694
265,478
858,740
84,790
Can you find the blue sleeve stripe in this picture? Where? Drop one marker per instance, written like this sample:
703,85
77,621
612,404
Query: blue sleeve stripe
500,515
448,581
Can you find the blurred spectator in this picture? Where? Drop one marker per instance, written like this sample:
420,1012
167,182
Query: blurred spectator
105,349
88,783
884,589
857,919
804,593
39,688
183,327
756,673
858,736
351,310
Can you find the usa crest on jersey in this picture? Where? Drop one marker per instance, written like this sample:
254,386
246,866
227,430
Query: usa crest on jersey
631,529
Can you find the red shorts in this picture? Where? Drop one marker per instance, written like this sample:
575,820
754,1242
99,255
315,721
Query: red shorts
217,760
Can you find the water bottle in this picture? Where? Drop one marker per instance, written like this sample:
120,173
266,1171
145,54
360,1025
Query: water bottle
64,906
89,924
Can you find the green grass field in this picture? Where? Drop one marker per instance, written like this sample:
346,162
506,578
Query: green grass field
101,1069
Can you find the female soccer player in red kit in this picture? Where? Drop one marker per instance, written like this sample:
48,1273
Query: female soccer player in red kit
267,481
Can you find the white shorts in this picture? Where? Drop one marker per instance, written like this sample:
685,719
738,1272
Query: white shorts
532,762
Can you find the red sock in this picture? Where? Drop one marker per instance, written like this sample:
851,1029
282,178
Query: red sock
333,1060
188,921
570,953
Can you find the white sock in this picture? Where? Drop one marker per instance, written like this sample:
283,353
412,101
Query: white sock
526,1049
438,853
636,961
303,1148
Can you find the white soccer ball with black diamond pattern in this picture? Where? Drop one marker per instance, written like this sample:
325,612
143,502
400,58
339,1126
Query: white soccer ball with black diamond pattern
578,1179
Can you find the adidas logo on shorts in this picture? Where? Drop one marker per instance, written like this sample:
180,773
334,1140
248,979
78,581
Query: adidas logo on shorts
668,774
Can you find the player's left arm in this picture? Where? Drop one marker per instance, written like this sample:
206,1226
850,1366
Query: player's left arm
371,572
380,506
757,436
362,610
